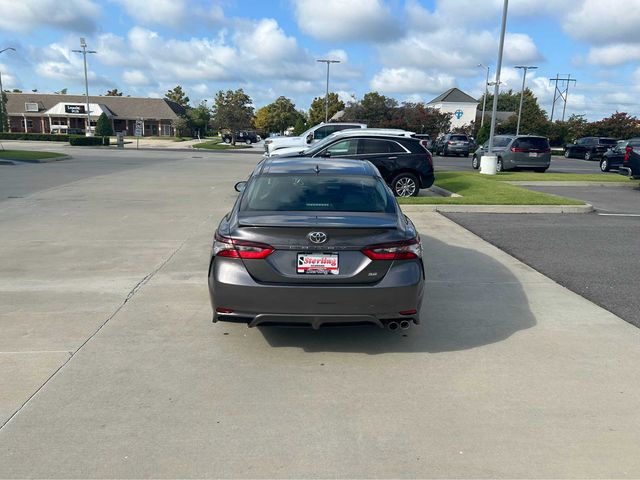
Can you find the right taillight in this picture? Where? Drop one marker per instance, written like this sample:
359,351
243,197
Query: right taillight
403,250
233,248
627,152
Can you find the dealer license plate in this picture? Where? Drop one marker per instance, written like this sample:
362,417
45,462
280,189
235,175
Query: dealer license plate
318,264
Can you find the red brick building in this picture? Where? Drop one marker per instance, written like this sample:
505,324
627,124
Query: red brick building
51,113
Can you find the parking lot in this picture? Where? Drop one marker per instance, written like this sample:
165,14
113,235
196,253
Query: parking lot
113,368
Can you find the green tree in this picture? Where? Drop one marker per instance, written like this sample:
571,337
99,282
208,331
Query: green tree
113,93
103,126
180,125
277,116
377,109
176,94
62,92
199,118
534,119
618,125
16,90
232,110
317,110
300,126
4,118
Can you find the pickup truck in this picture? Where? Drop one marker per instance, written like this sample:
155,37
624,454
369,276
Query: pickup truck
315,133
631,161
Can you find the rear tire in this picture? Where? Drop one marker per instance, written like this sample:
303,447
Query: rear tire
444,152
248,141
499,165
567,154
475,163
227,140
405,185
604,165
587,155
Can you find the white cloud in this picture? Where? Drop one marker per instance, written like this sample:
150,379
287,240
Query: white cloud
28,15
519,47
9,80
410,80
615,54
601,22
135,78
170,13
343,21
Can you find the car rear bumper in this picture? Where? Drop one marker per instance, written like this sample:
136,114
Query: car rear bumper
232,288
456,149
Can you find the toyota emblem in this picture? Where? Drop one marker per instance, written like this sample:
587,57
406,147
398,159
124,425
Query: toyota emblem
317,237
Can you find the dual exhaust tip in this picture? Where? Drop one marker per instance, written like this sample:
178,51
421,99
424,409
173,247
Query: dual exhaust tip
402,324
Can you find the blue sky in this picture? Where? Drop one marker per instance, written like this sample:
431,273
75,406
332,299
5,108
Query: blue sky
408,49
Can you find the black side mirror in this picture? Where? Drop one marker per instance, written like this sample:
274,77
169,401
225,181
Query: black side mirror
309,138
240,186
326,154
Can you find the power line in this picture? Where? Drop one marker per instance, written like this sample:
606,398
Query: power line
561,92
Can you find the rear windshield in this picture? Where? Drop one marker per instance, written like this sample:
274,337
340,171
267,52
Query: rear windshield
501,141
532,143
459,138
607,141
310,192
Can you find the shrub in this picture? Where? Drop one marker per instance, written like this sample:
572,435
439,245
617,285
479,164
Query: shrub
103,126
44,137
89,141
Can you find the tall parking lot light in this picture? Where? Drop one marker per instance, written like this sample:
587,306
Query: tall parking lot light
326,98
2,95
496,89
84,51
524,78
486,92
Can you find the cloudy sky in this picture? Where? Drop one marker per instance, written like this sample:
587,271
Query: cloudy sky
407,49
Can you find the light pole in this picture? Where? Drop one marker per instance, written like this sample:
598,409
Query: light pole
84,52
496,89
2,94
326,98
486,92
524,77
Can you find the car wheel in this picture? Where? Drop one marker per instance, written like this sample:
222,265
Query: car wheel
227,140
405,185
604,165
248,141
444,151
499,165
475,163
587,155
566,153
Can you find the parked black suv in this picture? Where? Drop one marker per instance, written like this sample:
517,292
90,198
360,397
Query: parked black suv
453,143
589,148
613,158
631,161
244,136
404,162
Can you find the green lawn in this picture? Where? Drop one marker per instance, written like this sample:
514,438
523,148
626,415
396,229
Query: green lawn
479,189
27,155
554,177
217,145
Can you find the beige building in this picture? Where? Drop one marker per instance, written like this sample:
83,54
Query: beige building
51,113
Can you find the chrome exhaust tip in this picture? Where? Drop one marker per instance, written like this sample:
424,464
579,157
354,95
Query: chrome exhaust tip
393,326
405,324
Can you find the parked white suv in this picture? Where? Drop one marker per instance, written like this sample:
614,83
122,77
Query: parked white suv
318,132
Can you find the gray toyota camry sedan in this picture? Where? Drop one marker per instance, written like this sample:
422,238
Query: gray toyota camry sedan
311,243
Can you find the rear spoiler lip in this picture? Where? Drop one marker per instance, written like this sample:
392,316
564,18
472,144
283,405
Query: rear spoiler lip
273,219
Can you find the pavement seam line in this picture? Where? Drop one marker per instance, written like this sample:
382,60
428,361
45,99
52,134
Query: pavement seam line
131,294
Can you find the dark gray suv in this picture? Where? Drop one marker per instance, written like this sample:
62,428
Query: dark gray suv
316,243
453,144
522,151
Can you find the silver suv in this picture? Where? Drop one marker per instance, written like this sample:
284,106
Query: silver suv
315,133
522,151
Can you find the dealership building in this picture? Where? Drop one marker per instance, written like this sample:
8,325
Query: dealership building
54,113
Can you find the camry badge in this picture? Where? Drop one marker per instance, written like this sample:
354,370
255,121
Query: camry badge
317,237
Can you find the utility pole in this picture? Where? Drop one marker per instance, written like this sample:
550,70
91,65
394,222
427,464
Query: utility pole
486,93
2,94
326,98
561,93
84,51
496,89
524,78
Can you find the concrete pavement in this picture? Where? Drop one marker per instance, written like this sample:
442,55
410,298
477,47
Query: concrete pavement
114,369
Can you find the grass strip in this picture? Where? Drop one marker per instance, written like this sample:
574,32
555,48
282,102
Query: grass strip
217,145
478,189
27,155
553,177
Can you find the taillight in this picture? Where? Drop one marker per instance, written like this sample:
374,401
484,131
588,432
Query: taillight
627,152
450,142
233,248
516,149
403,250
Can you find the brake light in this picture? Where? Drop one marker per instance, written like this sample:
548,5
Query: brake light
515,149
627,152
233,248
403,250
450,142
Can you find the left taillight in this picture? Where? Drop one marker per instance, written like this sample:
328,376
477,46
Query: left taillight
233,248
403,250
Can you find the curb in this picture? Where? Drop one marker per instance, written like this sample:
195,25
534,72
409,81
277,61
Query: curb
577,183
587,208
17,161
443,192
